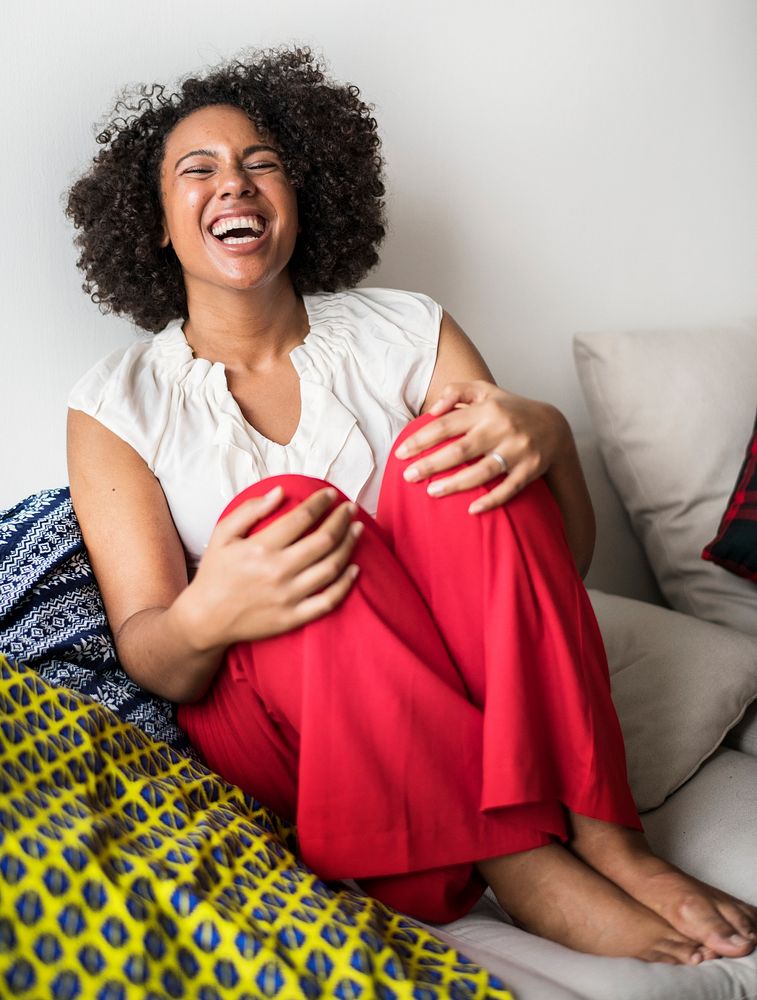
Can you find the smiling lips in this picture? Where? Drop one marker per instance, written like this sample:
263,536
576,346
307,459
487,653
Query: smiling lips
248,228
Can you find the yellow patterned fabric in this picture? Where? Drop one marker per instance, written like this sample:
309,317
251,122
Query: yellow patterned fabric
127,870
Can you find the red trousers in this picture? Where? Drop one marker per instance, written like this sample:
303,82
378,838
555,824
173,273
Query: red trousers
449,710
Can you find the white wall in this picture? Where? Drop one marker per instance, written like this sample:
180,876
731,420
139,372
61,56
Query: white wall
553,165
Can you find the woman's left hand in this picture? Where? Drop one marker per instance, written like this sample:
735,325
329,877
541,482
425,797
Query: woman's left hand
529,435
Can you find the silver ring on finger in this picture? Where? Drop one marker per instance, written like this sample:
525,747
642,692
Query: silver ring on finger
502,461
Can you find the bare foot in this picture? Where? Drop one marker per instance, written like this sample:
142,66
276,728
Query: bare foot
723,924
551,893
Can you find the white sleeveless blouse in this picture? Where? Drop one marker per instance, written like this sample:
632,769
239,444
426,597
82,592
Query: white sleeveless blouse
364,369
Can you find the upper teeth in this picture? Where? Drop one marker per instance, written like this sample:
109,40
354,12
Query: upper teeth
254,222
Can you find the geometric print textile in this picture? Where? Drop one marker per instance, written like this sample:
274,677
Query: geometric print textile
52,616
129,870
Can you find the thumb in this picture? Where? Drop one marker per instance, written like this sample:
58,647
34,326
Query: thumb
237,523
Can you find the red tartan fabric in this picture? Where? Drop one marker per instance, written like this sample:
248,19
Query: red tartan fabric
734,547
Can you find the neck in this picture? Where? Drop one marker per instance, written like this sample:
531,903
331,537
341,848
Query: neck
246,329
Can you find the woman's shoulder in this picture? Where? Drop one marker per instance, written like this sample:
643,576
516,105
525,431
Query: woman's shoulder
125,368
387,313
129,391
384,338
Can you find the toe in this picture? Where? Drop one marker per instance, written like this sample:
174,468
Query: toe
702,921
662,956
739,918
707,953
750,912
683,952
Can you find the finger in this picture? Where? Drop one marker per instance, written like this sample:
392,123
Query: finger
328,599
481,472
318,544
461,449
500,494
322,573
238,523
450,425
300,519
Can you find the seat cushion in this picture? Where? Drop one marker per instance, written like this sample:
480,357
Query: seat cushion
678,685
708,828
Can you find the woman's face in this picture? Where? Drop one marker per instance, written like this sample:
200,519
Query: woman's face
217,172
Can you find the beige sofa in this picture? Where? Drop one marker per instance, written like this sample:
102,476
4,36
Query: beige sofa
685,684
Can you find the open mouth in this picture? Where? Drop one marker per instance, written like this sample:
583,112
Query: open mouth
239,229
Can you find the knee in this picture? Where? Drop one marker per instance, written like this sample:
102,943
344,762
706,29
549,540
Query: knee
296,488
415,425
396,466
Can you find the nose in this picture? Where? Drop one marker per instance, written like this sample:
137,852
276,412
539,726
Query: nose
235,181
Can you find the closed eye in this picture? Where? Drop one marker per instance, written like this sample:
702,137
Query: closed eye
258,166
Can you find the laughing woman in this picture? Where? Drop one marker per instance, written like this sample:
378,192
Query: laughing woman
440,719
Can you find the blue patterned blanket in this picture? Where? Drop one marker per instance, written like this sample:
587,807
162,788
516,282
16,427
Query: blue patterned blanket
52,617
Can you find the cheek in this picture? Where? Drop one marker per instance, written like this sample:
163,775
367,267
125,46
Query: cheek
183,212
292,212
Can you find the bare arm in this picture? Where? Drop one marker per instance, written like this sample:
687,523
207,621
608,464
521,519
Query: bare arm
136,557
542,441
171,635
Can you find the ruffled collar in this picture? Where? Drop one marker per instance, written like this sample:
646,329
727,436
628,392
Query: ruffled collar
326,425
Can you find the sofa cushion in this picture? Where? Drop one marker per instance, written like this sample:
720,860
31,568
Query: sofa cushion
678,685
744,735
672,412
706,828
735,545
619,564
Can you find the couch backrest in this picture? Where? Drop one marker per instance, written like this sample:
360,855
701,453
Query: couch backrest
619,565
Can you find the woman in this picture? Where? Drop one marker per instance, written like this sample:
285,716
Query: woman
443,720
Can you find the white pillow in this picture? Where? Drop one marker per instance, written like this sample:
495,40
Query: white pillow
678,685
673,412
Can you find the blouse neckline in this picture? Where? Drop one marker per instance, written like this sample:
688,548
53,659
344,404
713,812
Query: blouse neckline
213,374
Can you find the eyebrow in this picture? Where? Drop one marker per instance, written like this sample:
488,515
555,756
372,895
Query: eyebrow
211,152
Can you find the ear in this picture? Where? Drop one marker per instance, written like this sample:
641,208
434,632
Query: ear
165,239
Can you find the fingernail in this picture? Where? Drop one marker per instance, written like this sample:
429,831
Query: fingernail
356,528
475,508
737,939
354,570
411,475
330,493
272,493
401,452
435,488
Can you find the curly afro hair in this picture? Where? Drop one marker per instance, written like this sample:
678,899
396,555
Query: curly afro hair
329,147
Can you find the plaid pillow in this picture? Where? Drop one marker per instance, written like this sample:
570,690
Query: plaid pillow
735,545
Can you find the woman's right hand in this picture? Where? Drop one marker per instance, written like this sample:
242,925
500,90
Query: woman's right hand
276,579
